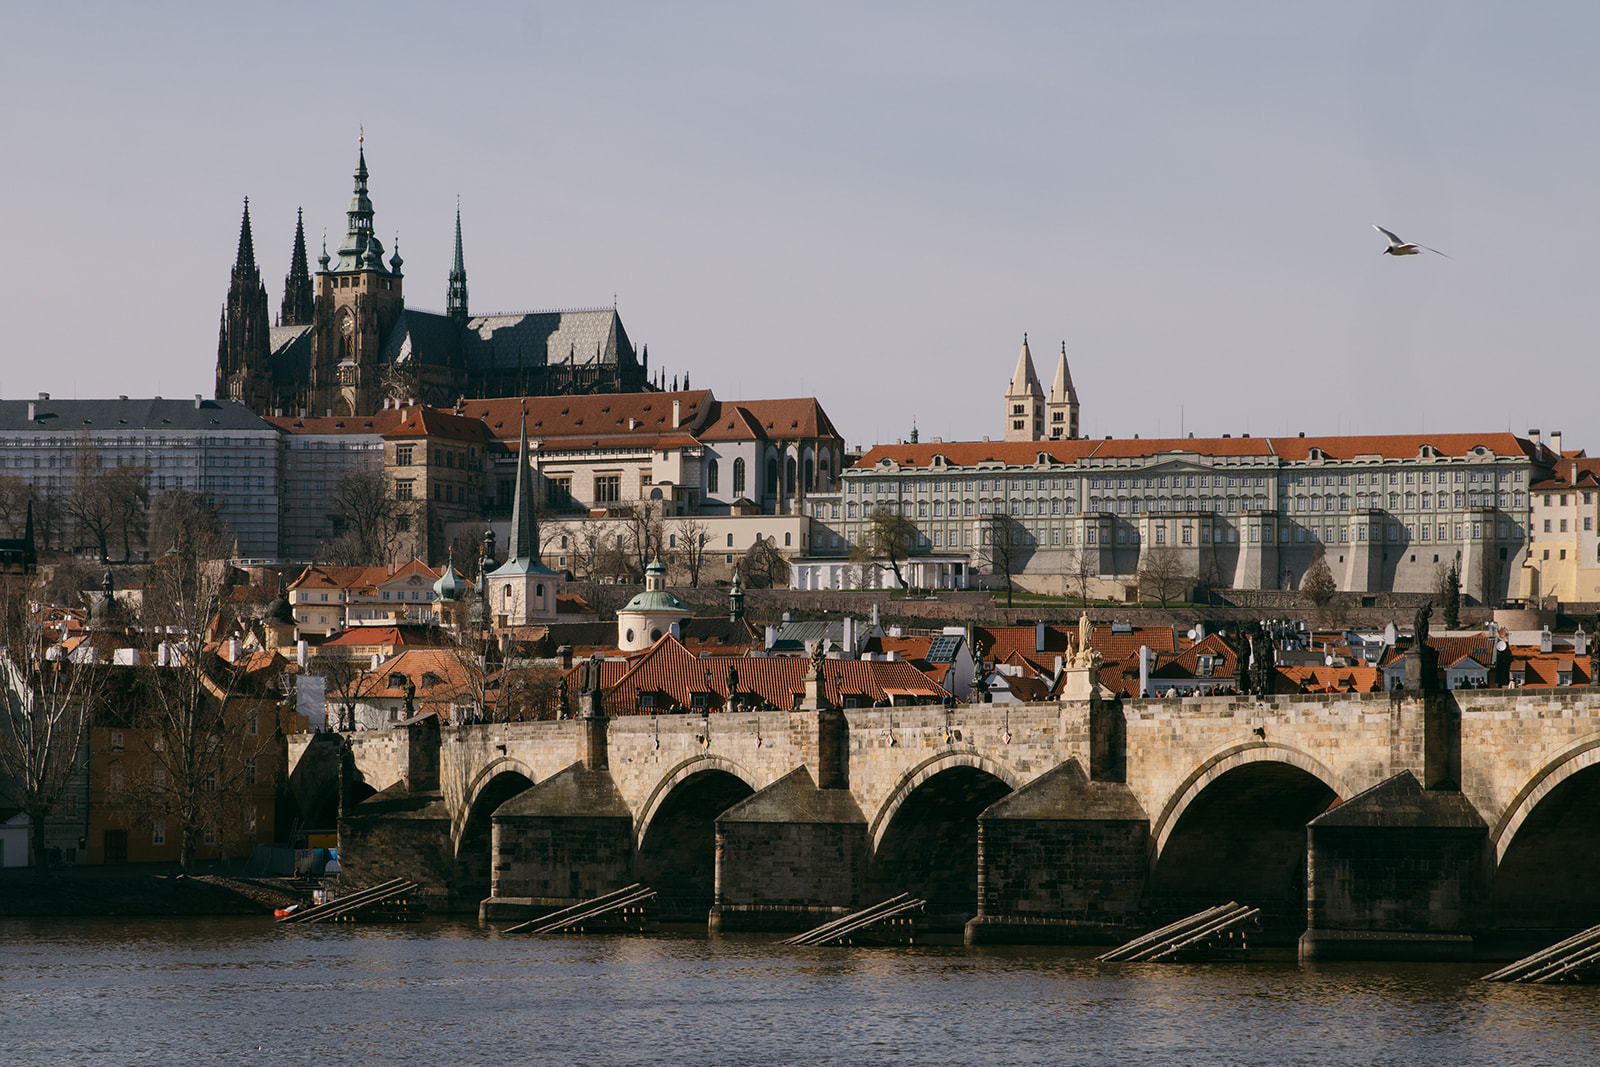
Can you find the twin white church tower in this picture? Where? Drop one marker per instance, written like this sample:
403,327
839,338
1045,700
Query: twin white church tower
1033,416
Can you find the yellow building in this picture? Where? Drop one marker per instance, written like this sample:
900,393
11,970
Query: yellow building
1564,549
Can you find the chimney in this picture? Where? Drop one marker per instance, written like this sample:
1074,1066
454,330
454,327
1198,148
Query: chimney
376,659
235,650
1038,637
1533,435
677,414
1144,670
33,410
772,636
302,652
44,396
198,400
1545,640
1555,442
565,652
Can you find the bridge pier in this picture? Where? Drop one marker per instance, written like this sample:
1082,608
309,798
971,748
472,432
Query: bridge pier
1061,860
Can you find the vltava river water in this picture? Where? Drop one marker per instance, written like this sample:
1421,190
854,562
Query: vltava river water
243,991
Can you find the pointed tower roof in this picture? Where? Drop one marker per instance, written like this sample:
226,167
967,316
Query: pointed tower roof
1062,391
246,259
456,297
299,299
1025,379
522,553
361,249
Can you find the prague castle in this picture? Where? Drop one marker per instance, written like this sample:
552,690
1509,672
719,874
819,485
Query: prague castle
346,344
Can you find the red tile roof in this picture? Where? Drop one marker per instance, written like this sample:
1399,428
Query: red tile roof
431,422
379,422
1292,449
676,674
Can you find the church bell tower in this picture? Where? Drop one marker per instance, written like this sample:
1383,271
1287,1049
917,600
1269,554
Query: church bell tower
359,299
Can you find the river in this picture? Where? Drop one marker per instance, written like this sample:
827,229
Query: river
242,991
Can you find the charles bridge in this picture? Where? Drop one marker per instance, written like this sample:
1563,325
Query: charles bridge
1380,825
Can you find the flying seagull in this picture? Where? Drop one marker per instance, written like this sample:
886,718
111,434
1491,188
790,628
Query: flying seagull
1398,247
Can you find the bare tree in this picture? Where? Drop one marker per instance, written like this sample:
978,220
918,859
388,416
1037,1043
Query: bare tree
641,526
1317,584
1001,546
15,496
1080,566
342,680
888,535
693,536
201,717
1162,574
45,711
88,502
129,499
184,523
763,566
371,519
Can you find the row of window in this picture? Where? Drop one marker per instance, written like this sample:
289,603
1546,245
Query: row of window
910,486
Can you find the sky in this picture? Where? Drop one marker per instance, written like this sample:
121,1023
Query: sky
866,203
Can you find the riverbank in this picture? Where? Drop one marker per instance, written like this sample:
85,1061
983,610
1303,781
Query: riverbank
116,891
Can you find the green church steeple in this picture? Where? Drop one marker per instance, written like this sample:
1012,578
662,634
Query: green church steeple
456,298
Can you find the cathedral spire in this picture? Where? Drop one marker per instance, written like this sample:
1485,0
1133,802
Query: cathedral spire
361,245
246,259
456,298
298,296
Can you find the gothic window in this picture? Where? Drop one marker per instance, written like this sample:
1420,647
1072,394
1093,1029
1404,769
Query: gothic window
788,475
772,477
811,476
711,476
738,476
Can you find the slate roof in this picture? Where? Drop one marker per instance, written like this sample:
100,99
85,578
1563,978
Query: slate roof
509,341
72,416
290,351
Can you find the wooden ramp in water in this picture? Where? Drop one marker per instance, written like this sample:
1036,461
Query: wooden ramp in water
1216,933
389,901
624,911
1573,960
888,922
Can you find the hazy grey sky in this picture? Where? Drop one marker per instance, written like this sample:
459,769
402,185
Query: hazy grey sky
868,204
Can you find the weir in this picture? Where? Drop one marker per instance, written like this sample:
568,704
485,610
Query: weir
1362,825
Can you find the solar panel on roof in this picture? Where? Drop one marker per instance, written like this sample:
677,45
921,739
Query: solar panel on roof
942,649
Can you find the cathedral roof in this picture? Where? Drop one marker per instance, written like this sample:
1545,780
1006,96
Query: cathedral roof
592,337
290,352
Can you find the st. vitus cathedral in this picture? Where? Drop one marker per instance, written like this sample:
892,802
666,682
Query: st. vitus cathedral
346,344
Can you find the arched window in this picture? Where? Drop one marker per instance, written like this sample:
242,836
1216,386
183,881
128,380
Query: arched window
772,477
505,597
788,476
711,476
823,470
538,591
811,476
738,476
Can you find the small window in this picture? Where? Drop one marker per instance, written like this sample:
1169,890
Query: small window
158,831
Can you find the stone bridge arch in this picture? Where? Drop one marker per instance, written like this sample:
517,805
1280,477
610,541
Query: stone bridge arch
675,842
925,836
679,773
922,772
1228,759
1547,847
474,790
472,829
1567,763
1235,829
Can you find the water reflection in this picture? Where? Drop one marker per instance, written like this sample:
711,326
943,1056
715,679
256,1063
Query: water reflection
246,991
